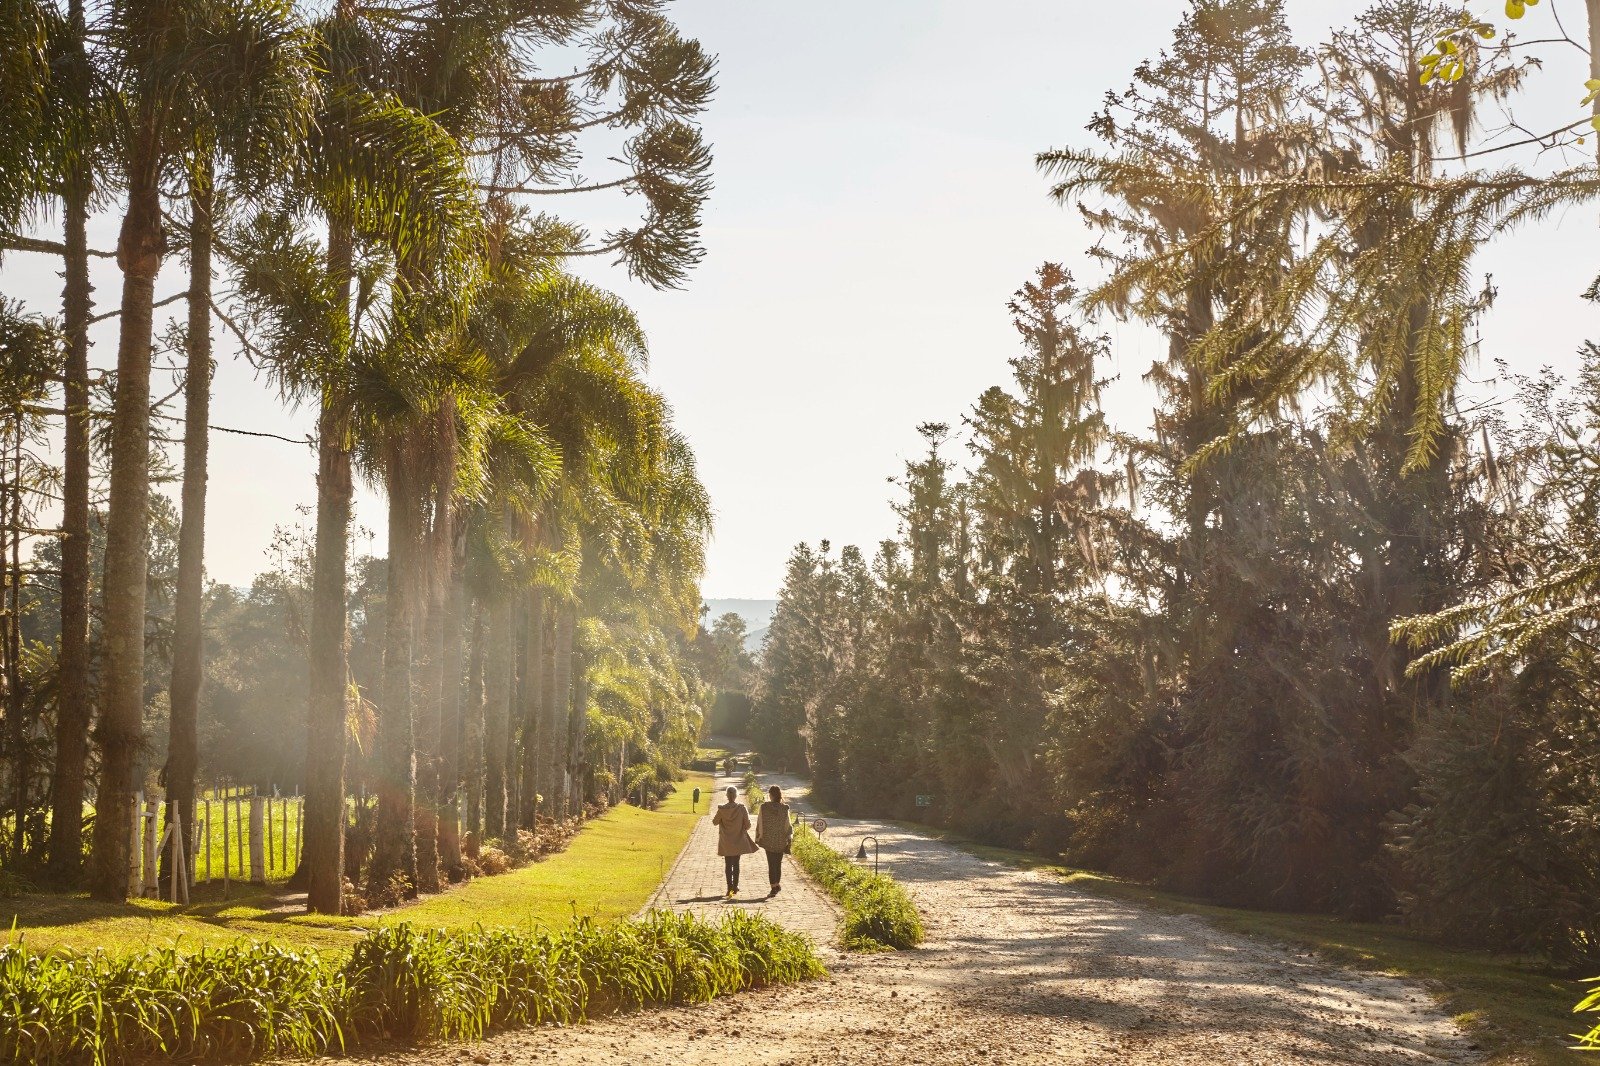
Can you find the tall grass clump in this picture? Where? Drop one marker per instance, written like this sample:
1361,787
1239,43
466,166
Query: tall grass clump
246,1001
877,911
1590,1004
254,1001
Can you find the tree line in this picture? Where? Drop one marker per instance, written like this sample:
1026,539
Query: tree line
370,185
1319,637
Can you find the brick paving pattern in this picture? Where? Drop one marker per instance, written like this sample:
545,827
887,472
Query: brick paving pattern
696,884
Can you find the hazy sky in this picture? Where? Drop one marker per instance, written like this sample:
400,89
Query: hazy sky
876,204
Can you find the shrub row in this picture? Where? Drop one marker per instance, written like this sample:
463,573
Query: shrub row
1590,1004
877,911
258,1000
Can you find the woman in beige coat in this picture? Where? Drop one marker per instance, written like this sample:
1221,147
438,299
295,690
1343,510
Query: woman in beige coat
774,834
733,837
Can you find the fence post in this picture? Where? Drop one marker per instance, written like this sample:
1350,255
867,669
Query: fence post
179,892
135,873
152,815
258,867
207,835
271,863
225,849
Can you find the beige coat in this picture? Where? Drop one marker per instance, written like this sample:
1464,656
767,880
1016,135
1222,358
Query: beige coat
733,823
773,830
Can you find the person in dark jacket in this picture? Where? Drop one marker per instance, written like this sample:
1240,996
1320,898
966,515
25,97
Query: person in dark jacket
774,834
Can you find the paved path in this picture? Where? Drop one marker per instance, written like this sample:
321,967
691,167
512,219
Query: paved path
696,883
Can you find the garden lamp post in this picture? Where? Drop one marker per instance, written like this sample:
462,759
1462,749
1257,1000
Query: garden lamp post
861,852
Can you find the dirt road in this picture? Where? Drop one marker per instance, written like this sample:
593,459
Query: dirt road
1019,968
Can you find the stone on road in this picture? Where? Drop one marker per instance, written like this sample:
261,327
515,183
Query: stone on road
1019,968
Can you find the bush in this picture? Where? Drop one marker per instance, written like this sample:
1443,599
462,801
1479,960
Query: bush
13,884
248,1001
1590,1004
420,986
493,862
877,911
396,891
350,900
254,1001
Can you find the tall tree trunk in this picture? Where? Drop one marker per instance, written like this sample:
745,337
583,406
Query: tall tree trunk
73,694
472,734
394,849
516,701
15,702
431,718
577,735
429,694
557,710
188,651
1593,8
450,715
497,670
327,712
536,785
140,247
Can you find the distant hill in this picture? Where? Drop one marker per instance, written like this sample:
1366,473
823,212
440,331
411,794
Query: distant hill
757,615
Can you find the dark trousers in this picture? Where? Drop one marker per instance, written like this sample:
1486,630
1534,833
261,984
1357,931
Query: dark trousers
774,867
730,869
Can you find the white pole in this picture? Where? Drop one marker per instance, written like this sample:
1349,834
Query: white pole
225,847
258,866
152,853
135,874
175,833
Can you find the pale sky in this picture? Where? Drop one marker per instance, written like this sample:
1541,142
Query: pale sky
876,204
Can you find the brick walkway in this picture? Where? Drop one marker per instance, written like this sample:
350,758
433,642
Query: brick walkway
696,884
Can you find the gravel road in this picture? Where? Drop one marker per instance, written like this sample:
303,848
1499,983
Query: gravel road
1020,968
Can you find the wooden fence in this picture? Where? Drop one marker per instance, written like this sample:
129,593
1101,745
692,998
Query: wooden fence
238,836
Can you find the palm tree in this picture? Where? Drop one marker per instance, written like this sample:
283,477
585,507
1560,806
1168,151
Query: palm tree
183,743
385,176
250,175
182,65
82,122
53,144
25,86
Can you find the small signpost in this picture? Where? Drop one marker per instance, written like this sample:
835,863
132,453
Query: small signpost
924,801
695,806
820,825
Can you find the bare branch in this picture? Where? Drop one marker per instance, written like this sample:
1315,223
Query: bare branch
17,243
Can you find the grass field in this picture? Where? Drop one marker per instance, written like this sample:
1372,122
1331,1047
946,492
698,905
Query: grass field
608,871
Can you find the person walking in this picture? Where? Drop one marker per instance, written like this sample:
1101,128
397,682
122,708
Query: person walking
774,834
733,837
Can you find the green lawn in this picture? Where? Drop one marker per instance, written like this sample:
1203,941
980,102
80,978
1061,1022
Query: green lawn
608,871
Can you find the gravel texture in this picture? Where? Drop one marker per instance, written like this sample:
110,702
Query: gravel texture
1020,968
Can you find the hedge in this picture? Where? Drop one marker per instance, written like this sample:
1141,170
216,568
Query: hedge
877,911
258,1000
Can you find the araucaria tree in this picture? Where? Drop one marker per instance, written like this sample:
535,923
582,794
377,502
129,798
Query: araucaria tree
1217,651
